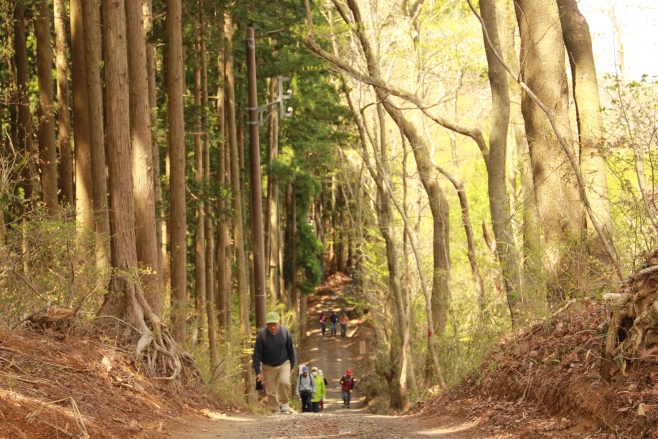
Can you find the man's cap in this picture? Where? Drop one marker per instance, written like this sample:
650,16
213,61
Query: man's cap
272,317
349,372
305,369
314,368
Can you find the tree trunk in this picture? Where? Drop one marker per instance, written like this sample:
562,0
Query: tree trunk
92,41
147,12
132,305
558,200
238,224
64,119
470,239
303,308
200,233
578,41
387,229
142,159
294,296
408,359
175,88
24,133
619,44
209,232
46,128
223,238
122,212
83,182
531,276
498,201
272,222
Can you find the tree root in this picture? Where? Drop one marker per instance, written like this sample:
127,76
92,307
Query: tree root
632,334
165,358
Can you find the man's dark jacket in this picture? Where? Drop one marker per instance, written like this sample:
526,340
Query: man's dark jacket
273,350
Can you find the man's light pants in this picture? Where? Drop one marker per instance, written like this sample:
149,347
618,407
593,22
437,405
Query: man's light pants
276,378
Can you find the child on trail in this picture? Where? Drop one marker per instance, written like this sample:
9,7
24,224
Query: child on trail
347,385
323,322
344,320
305,389
320,390
334,322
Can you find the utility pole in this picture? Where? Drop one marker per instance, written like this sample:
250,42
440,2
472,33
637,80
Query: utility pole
257,245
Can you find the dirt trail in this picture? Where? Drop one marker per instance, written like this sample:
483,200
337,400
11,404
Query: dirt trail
334,356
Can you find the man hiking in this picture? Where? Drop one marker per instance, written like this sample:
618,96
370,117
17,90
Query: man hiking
347,385
344,320
334,322
273,361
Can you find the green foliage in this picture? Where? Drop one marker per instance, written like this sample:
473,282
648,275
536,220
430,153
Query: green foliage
49,261
630,121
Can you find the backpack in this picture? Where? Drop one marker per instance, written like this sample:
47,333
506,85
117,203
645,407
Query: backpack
263,336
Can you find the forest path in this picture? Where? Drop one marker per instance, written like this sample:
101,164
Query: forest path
334,356
332,353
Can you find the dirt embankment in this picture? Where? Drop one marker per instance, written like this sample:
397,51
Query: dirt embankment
57,384
551,381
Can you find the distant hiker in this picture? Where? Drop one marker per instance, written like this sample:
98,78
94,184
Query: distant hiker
334,322
353,275
325,386
305,389
323,322
274,361
320,390
344,320
347,385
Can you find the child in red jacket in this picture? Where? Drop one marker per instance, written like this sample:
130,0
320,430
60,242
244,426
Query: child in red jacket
347,383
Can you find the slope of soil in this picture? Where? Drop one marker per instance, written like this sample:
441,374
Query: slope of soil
547,382
56,384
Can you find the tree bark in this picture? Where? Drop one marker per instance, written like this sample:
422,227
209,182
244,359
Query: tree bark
24,133
498,200
470,239
92,41
122,212
64,119
46,128
142,159
531,276
175,107
578,41
147,12
272,222
408,359
619,44
238,223
558,200
209,232
294,296
223,238
200,233
134,308
83,182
